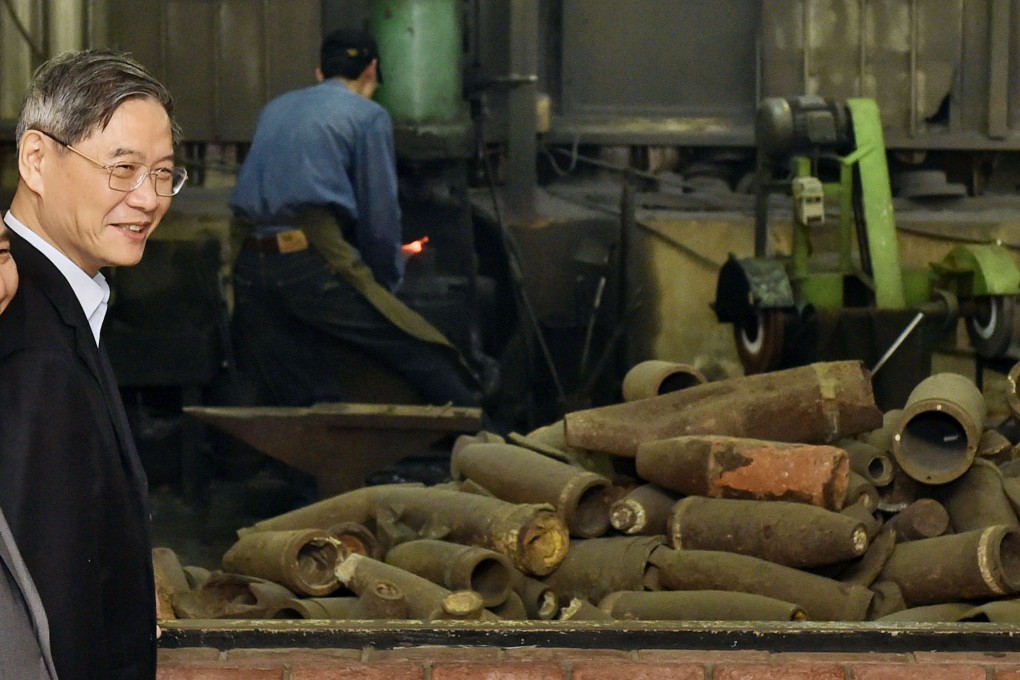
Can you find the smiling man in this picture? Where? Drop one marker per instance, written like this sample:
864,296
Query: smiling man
96,172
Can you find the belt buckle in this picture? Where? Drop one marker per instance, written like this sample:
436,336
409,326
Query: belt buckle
292,241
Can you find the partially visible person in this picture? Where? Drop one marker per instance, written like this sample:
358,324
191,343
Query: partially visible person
320,230
24,630
96,171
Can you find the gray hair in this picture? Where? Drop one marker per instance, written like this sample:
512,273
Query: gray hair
76,93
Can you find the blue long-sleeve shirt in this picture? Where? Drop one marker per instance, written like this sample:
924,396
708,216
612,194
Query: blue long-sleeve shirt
325,146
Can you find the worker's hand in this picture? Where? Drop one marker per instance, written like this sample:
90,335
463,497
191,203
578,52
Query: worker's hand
409,250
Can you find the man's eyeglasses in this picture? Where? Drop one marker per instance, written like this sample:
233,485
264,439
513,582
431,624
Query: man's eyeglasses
129,176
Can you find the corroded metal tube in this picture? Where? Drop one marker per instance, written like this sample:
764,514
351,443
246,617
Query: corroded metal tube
540,600
924,518
424,599
643,511
939,431
303,560
518,475
1012,395
823,599
533,536
698,605
356,538
231,596
869,461
599,566
737,467
457,567
654,377
793,534
819,403
381,599
977,564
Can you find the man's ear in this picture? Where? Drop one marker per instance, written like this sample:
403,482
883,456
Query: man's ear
319,75
33,154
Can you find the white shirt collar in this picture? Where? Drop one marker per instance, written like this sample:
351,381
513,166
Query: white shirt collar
93,292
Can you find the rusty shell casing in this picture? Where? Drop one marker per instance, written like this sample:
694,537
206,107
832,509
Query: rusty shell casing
814,404
599,566
793,534
169,578
518,475
882,437
977,564
824,599
735,467
860,490
938,434
655,377
533,536
317,608
381,599
888,599
643,511
866,515
901,492
231,596
303,560
977,499
357,505
924,518
995,446
865,571
580,609
540,600
512,609
356,538
457,567
869,461
424,600
698,605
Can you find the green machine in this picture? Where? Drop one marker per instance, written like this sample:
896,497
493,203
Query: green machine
840,292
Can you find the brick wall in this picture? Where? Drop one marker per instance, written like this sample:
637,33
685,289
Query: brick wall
530,663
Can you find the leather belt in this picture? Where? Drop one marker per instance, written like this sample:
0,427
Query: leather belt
291,241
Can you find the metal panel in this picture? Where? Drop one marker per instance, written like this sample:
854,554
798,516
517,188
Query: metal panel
222,59
655,58
903,53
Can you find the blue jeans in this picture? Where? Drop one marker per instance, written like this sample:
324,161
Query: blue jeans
291,312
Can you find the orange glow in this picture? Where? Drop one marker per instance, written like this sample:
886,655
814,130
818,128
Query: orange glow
414,247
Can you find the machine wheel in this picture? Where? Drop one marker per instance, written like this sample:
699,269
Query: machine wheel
990,329
759,339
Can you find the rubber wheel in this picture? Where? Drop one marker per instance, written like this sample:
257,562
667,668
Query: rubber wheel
990,329
759,340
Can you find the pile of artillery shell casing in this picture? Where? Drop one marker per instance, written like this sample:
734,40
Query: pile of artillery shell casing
784,496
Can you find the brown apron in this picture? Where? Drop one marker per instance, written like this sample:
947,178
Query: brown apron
323,232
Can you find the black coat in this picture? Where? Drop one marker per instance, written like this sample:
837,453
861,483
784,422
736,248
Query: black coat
71,484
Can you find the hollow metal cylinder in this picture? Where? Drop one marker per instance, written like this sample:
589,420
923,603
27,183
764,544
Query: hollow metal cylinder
303,560
381,599
739,467
518,475
869,461
540,600
580,609
813,404
938,434
457,567
643,511
654,377
793,534
977,564
698,605
823,599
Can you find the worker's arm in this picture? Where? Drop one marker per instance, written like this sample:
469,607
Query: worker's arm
375,177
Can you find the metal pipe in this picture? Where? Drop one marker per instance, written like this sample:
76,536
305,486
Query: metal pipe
303,559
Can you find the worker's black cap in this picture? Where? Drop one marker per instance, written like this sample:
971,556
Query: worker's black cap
346,52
